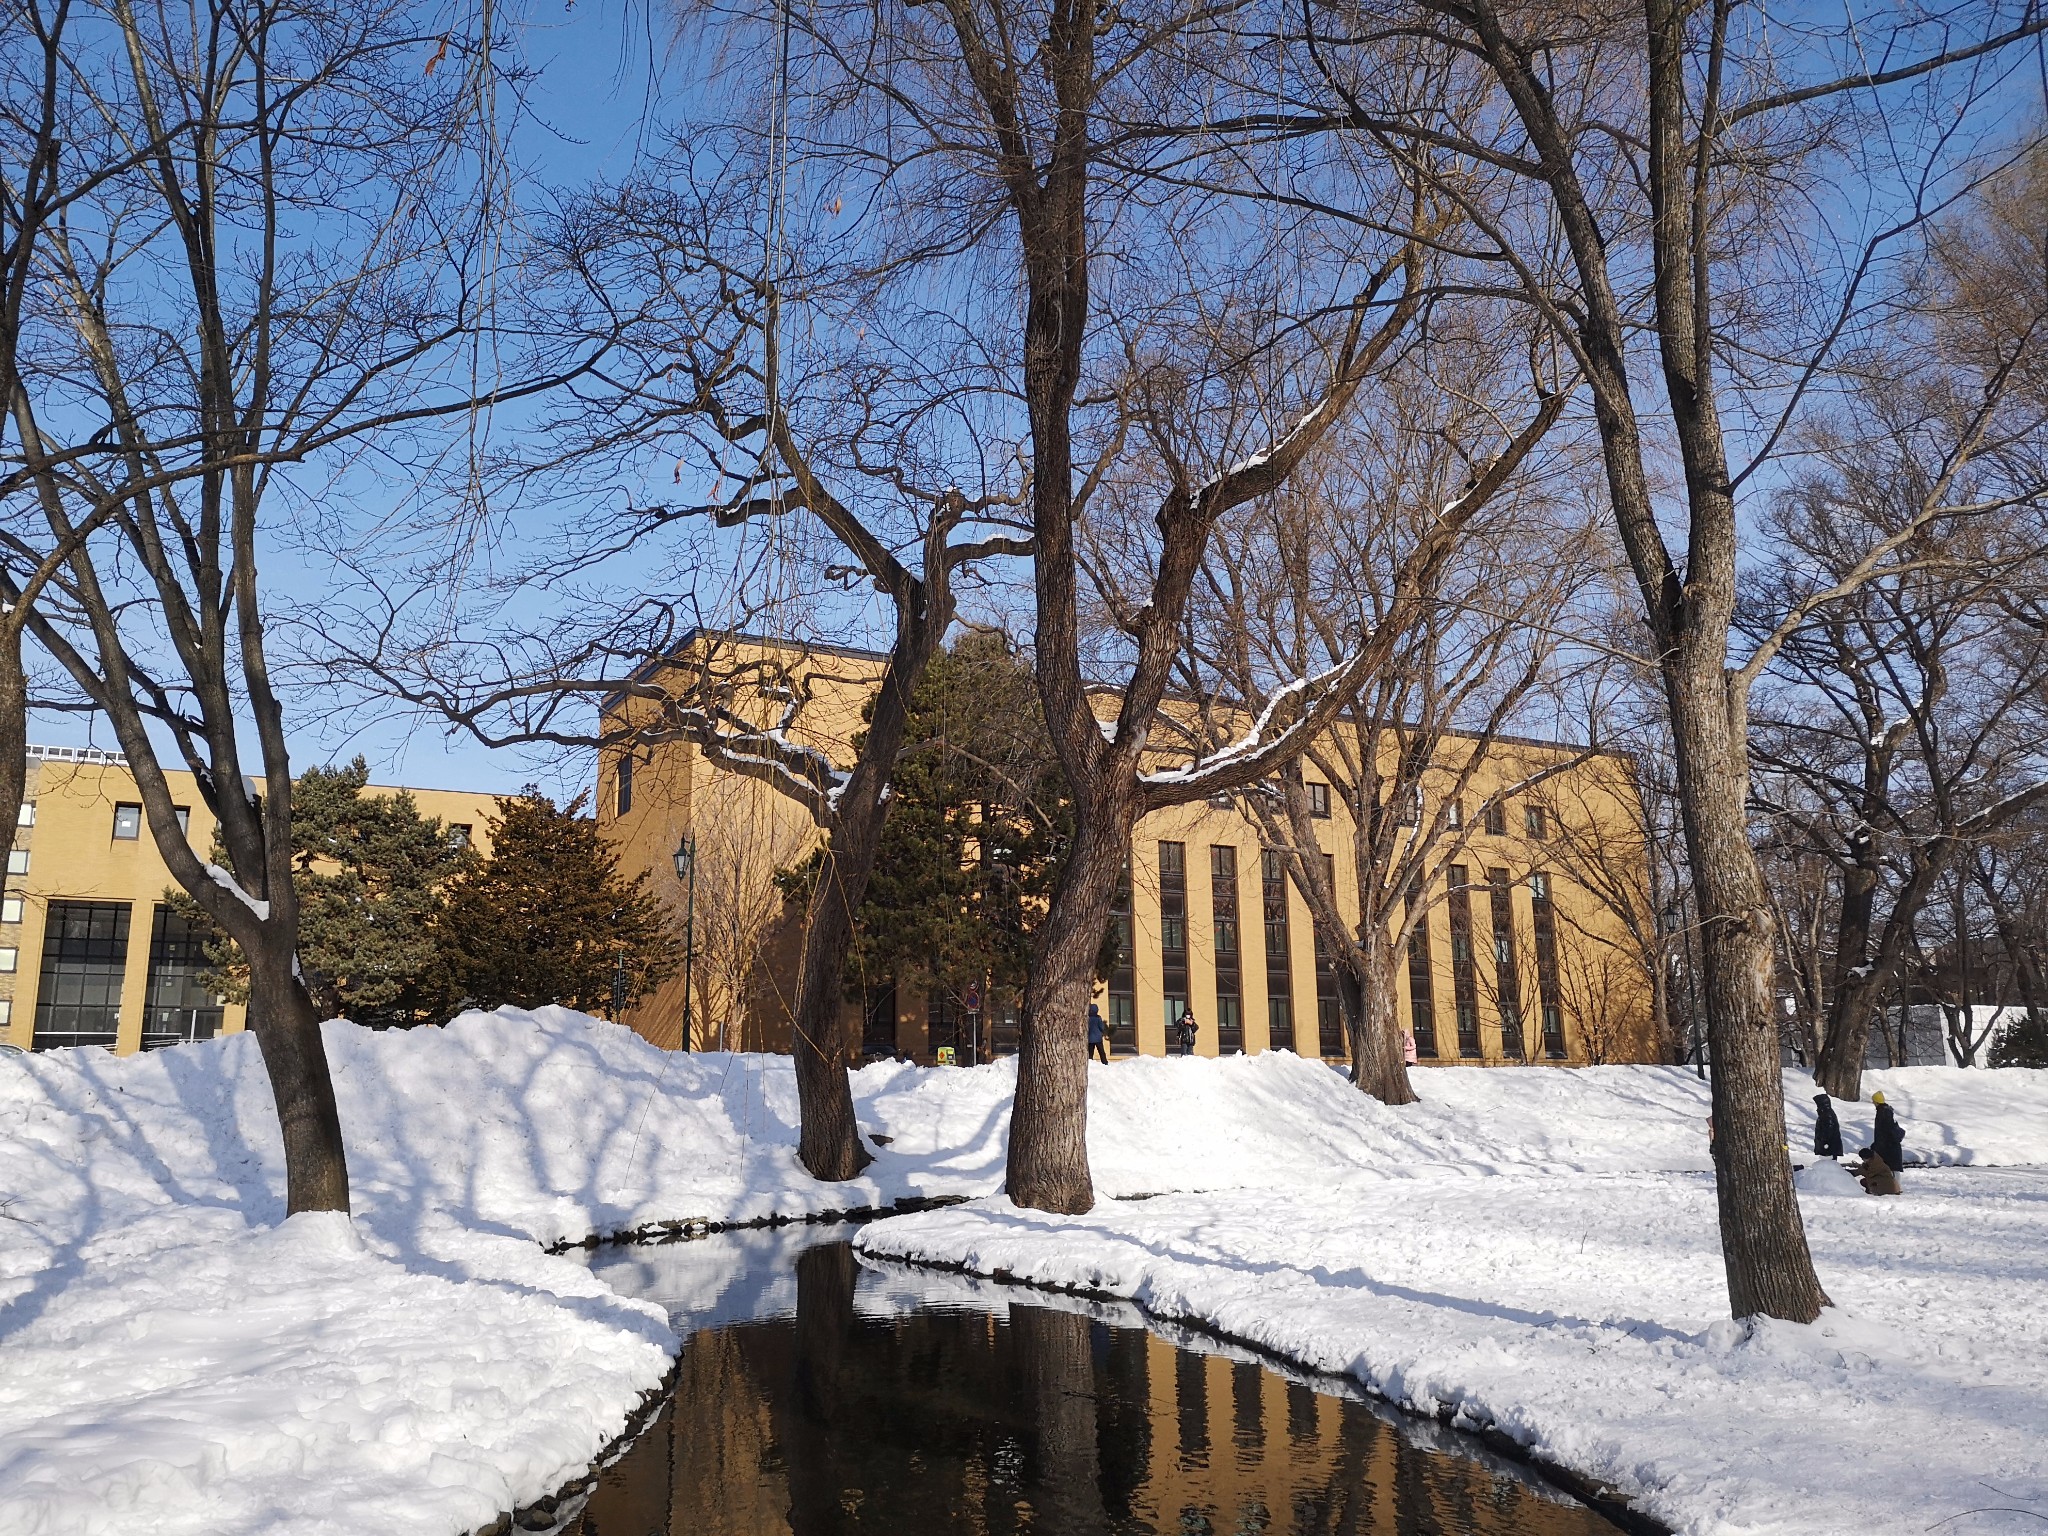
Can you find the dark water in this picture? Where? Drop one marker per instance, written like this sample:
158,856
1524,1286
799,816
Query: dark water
820,1395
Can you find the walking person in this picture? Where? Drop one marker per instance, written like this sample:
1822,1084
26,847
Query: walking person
1889,1139
1827,1130
1098,1035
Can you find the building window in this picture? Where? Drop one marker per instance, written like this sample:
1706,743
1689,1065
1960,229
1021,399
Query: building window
26,817
1410,808
1330,1042
178,1007
1229,962
1534,821
1173,929
17,861
1496,818
184,815
10,909
1464,977
1279,980
10,959
1548,992
1319,800
85,952
625,796
1123,980
1507,983
1454,815
6,1011
1421,979
127,823
458,835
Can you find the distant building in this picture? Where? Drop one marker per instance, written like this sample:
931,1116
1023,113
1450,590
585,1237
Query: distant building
1209,920
91,951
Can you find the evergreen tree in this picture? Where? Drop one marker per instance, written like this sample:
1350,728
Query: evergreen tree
548,918
368,871
971,849
2022,1043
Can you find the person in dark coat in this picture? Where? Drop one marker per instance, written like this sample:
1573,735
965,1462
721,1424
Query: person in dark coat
1186,1029
1889,1139
1098,1035
1827,1130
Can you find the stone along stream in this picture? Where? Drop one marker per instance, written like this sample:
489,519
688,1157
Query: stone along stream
822,1395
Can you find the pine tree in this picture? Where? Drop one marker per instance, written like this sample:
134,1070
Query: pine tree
2022,1043
971,849
548,918
368,871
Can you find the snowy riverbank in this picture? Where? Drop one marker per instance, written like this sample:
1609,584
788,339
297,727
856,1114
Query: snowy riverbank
175,1360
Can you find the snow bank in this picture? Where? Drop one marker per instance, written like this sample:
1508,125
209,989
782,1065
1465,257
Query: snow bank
1585,1316
175,1354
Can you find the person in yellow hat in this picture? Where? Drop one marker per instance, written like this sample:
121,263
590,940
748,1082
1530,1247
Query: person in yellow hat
1889,1138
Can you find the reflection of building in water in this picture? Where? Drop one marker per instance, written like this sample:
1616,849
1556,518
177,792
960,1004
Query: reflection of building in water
957,1420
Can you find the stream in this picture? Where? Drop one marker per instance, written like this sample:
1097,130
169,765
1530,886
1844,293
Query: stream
819,1394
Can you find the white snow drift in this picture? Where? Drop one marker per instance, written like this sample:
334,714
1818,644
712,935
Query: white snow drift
1535,1244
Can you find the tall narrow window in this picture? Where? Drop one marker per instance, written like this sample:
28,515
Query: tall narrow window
1173,929
1279,967
1548,992
1329,1017
1495,820
1507,981
1408,806
1123,1002
178,1007
127,823
1454,815
1534,821
1319,800
625,801
85,952
1421,979
1464,976
1229,957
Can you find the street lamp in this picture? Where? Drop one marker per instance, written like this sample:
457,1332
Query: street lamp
686,871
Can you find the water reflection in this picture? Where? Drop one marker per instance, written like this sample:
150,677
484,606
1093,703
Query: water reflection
818,1396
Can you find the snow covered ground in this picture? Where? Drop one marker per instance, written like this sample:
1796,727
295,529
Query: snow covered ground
1536,1244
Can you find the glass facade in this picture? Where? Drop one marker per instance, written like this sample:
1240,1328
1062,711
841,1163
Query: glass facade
1279,965
1507,981
85,952
1421,981
1464,976
1548,991
1229,958
178,1007
1173,929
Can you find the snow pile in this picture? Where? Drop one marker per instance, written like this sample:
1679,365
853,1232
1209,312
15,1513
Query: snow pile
1585,1316
179,1361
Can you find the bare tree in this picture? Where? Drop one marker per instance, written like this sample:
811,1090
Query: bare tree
1659,140
1288,585
274,236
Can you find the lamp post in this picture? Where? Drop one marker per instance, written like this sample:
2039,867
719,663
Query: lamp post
686,871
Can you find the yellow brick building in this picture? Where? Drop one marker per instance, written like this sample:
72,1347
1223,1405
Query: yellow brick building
1211,923
91,952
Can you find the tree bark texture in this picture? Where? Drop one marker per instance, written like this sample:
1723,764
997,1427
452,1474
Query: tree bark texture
828,1141
1367,992
1048,1164
287,1030
1763,1239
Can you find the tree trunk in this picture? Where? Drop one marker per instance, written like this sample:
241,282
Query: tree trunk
1367,995
287,1030
1763,1239
1048,1161
13,733
828,1139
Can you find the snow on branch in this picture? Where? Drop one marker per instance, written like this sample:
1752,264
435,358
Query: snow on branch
233,887
1225,768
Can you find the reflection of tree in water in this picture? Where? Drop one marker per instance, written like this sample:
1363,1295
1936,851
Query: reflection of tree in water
952,1420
